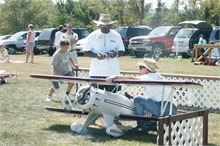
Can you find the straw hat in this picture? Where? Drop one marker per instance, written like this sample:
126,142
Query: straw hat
104,19
149,63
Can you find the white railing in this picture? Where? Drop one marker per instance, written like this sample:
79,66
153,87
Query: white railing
206,97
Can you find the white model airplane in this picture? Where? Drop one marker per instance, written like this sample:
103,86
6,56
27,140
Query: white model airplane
95,103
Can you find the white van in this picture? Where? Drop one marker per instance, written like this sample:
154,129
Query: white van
181,40
186,38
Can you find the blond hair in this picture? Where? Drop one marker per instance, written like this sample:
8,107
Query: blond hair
31,26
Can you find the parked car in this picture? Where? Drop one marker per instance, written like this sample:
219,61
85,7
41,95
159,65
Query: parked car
187,37
79,47
17,42
5,37
158,41
128,32
215,35
46,38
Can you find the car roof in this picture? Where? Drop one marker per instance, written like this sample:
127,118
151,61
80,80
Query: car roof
197,24
169,27
138,26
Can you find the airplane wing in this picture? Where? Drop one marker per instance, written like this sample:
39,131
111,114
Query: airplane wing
2,72
63,110
121,116
186,84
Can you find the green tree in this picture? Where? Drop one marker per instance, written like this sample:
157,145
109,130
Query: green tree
17,14
211,11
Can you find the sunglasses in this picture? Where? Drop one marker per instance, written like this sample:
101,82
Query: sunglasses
141,67
103,26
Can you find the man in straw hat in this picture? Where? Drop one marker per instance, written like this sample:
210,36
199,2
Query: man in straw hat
149,105
104,46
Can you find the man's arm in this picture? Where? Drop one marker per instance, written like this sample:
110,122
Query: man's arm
94,55
120,53
56,70
110,79
75,40
28,37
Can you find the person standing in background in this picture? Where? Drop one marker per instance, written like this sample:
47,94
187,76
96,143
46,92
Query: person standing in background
58,37
200,51
30,43
73,38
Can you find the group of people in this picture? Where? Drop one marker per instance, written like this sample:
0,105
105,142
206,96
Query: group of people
104,46
4,55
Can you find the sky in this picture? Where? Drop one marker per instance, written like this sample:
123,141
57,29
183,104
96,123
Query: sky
168,3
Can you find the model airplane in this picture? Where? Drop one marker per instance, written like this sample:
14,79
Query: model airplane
96,103
4,75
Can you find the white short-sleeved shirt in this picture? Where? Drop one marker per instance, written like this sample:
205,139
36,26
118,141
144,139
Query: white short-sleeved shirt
70,37
155,92
99,42
58,38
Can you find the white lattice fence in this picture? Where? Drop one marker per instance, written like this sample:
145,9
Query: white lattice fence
186,129
186,132
206,97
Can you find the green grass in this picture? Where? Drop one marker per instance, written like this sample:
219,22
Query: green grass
24,121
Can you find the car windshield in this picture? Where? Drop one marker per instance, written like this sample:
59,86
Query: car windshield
85,33
16,36
159,31
122,31
184,33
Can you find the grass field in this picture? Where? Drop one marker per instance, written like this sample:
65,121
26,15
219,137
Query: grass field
24,121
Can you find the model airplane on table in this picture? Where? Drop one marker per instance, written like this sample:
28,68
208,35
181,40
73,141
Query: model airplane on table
95,103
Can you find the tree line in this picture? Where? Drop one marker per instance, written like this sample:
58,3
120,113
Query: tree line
15,15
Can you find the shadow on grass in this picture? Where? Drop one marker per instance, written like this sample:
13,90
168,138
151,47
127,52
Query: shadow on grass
140,137
211,144
59,128
94,134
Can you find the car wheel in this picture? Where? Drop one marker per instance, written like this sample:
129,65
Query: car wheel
51,51
11,49
172,55
157,51
36,51
80,54
185,55
138,54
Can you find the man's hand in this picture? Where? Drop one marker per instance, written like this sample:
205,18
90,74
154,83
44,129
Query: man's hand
110,79
101,56
113,54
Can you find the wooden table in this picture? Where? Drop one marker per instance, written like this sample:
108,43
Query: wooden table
207,52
